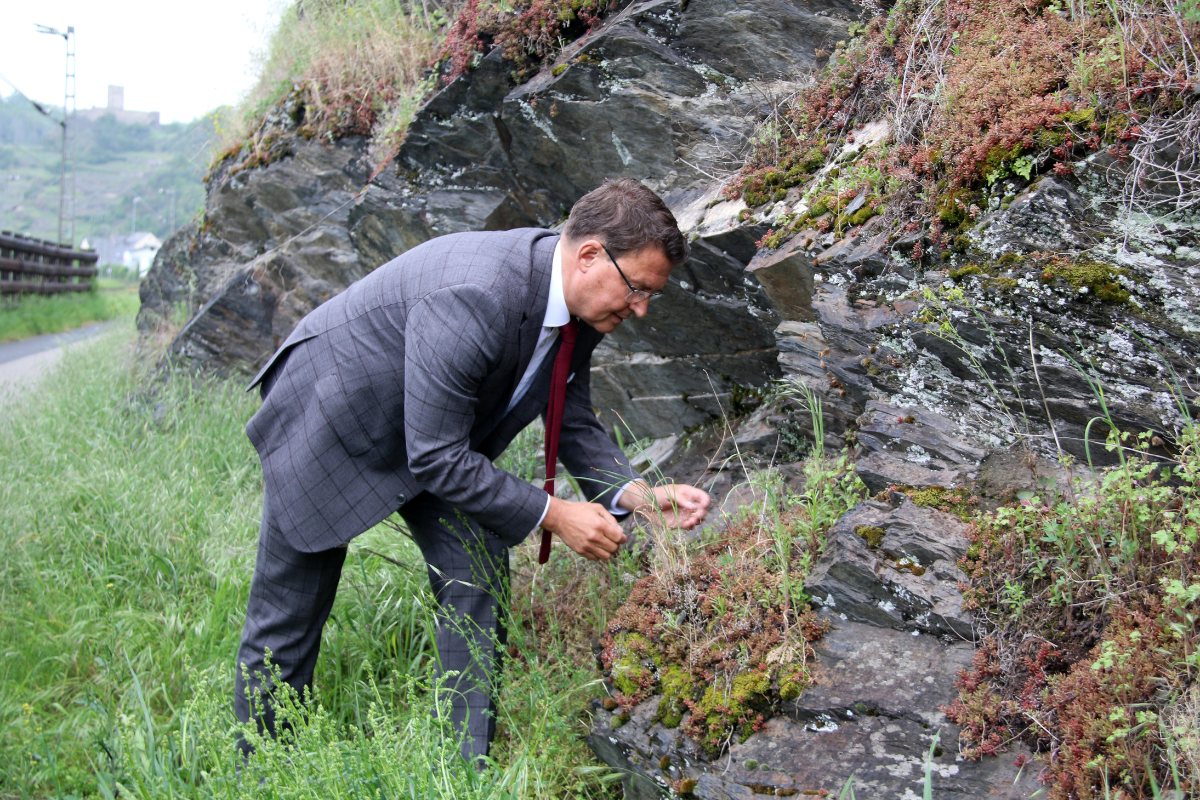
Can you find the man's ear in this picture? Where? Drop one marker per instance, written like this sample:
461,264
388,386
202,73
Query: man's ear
586,253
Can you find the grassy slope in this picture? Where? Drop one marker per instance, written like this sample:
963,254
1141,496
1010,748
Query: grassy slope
34,314
131,524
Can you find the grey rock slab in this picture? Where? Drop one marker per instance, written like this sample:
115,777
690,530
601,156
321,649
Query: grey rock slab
786,276
755,40
872,256
908,580
913,447
865,671
1046,216
878,471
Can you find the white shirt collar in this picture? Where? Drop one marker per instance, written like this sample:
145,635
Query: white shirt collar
557,313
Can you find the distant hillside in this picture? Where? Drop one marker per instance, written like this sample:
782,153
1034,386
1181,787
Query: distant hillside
114,163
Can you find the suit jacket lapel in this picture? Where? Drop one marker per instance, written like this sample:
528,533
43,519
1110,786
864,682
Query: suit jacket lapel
534,314
529,407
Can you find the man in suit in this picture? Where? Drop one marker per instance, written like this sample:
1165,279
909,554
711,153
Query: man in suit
397,394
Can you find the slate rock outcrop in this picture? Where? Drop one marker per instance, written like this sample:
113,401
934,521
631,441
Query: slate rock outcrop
661,92
894,565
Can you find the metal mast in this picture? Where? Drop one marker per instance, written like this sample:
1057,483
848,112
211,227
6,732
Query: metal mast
69,129
66,210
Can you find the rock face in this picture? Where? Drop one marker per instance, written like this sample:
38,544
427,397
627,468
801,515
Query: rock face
887,582
878,335
894,567
663,92
275,243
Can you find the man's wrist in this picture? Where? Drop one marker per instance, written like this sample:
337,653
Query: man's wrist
635,495
545,511
553,514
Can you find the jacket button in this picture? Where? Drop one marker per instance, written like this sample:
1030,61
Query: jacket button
401,499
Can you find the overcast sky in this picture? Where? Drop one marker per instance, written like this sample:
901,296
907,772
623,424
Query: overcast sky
180,59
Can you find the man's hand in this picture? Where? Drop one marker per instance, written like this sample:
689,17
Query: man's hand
586,528
682,506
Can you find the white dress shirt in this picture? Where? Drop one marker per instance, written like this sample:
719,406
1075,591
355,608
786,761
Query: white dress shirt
557,315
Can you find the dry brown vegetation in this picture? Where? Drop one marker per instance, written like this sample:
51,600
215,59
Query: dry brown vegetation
526,31
977,92
338,69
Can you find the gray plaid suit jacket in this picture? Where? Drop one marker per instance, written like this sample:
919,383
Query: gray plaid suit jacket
400,385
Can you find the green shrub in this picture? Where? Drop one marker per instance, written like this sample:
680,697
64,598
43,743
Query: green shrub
1102,585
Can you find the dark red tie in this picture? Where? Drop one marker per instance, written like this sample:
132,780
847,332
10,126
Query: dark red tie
554,412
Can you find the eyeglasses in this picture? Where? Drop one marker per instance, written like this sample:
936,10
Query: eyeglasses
635,295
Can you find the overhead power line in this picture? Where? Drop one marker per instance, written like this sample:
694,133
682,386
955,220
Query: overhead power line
32,102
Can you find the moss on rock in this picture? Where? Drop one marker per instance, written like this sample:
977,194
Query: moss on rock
630,674
952,501
871,534
793,682
732,706
676,688
1100,280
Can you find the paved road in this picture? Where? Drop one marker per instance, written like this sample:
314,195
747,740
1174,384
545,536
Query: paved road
23,362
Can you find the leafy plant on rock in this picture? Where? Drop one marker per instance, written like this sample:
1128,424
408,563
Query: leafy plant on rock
1105,636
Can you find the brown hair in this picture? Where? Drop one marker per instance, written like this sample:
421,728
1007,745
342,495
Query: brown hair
627,217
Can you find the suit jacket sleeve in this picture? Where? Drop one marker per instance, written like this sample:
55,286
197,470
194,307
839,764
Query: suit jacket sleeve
451,341
585,448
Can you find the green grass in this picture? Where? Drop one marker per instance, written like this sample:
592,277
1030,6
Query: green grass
31,315
130,521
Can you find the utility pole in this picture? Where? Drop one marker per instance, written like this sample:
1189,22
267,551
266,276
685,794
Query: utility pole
66,211
133,219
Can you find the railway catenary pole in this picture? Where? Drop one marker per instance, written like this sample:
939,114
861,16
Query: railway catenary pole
68,113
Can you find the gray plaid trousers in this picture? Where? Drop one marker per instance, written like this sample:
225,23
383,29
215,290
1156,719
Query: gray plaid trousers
292,593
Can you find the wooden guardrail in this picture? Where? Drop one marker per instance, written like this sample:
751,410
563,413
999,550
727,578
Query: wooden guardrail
34,266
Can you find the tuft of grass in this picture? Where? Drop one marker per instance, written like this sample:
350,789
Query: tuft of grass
128,516
338,69
31,315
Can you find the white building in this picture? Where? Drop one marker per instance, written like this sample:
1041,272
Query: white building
133,251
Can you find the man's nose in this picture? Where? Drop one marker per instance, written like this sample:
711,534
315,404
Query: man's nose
640,307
